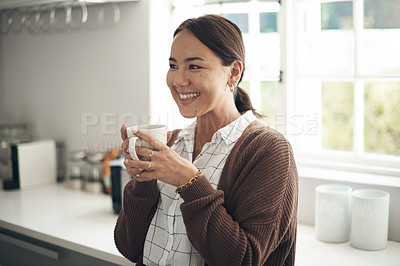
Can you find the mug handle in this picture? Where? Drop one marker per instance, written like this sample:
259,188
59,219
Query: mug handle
132,145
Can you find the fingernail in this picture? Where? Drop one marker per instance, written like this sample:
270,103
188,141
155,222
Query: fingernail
137,175
140,169
126,161
133,130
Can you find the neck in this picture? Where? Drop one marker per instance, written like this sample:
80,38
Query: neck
209,123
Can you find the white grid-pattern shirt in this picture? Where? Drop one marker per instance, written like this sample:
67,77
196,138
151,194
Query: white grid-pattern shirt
167,242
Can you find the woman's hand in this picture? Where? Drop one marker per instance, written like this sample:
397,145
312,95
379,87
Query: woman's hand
132,171
164,165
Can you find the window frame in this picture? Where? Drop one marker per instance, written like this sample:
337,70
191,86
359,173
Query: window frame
357,160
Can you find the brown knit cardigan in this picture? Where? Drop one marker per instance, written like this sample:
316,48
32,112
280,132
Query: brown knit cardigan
251,219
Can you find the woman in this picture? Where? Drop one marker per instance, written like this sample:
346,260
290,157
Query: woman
224,190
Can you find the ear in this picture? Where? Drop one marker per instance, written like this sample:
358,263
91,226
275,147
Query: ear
236,73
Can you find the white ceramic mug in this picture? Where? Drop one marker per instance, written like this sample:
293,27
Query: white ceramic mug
369,219
157,131
332,213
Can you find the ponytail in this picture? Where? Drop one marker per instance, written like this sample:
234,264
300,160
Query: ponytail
243,103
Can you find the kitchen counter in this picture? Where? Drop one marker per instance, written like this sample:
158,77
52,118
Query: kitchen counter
84,222
311,252
76,220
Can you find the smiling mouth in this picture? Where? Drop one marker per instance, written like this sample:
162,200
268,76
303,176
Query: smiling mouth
188,96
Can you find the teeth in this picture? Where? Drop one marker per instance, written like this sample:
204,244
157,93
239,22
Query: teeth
189,95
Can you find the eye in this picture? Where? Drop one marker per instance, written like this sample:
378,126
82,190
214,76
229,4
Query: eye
172,66
194,67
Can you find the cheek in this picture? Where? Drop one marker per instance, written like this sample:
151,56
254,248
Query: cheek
169,80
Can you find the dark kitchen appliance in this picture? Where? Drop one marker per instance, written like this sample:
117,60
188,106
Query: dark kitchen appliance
119,178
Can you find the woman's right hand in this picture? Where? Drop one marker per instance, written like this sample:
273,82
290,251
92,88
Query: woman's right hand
132,171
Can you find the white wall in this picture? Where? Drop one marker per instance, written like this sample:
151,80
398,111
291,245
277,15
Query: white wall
77,87
162,106
2,108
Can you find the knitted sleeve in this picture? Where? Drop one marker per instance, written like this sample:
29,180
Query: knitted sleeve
251,218
139,206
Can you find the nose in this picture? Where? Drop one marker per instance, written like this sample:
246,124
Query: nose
180,78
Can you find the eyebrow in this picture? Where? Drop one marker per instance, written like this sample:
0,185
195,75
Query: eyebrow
187,59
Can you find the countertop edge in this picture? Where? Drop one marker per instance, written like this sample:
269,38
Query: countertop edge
99,254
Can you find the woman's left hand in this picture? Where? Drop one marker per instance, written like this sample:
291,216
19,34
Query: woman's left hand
165,165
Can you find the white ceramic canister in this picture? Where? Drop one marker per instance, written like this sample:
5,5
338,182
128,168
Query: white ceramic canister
370,219
332,213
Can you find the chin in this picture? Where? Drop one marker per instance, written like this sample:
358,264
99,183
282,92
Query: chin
188,114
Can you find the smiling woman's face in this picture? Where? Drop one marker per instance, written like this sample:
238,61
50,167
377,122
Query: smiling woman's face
197,79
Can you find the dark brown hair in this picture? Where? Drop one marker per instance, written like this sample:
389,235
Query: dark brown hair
224,38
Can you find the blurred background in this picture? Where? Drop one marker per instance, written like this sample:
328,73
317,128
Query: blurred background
325,72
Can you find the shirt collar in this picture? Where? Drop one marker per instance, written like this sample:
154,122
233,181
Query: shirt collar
187,133
229,134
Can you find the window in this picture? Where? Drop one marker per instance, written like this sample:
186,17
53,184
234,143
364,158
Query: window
339,100
347,74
